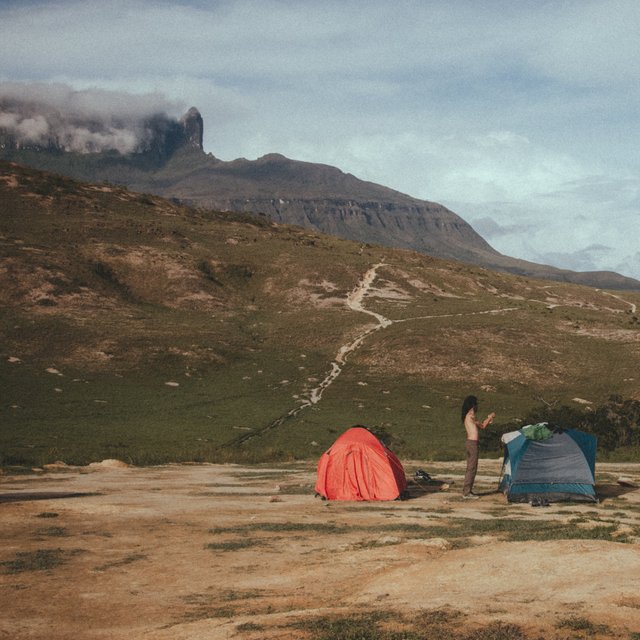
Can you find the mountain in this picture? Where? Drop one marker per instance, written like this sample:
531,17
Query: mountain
169,160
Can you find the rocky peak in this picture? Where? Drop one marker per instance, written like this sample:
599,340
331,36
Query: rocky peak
193,127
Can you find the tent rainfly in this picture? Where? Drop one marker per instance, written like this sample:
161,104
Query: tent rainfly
360,467
542,465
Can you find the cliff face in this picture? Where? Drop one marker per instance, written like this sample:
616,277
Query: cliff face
166,158
320,197
192,128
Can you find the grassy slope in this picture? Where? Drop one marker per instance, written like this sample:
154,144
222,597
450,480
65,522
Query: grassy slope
107,295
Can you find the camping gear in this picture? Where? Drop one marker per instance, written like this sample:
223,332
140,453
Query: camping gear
360,467
424,480
545,464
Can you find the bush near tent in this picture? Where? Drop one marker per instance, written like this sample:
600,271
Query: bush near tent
544,464
358,466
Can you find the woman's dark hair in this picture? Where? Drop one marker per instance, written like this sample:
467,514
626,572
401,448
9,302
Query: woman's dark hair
470,402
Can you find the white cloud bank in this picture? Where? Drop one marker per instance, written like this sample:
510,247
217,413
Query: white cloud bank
83,121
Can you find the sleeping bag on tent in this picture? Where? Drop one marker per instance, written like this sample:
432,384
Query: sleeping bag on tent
542,465
359,467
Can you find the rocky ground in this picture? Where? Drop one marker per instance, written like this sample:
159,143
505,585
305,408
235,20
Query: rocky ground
224,551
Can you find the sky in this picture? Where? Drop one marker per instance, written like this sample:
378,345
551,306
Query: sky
521,116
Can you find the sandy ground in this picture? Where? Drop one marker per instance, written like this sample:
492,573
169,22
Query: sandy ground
223,551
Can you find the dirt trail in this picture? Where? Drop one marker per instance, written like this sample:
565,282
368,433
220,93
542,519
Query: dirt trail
632,305
355,301
223,551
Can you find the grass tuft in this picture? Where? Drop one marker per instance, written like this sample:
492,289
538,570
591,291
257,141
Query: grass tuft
497,631
134,557
235,545
249,626
52,532
360,626
39,560
578,623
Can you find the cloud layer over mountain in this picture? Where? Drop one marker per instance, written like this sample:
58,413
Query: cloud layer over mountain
84,121
522,112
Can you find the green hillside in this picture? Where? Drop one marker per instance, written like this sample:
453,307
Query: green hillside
137,329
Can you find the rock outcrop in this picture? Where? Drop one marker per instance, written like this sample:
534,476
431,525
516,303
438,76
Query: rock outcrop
193,127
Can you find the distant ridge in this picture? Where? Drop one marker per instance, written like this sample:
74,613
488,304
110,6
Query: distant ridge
172,163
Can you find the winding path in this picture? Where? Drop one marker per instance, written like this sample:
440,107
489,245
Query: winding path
613,295
354,301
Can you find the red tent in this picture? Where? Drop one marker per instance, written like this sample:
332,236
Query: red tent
359,467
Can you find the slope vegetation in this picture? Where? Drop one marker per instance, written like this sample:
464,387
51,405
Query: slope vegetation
135,328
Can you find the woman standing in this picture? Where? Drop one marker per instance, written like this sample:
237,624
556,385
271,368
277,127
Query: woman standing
472,425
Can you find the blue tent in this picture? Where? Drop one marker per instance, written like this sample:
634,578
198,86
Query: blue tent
543,465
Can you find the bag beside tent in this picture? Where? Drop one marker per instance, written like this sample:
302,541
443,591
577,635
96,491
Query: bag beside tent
360,467
541,465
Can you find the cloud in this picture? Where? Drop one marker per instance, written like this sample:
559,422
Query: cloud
81,121
28,129
89,103
582,225
489,229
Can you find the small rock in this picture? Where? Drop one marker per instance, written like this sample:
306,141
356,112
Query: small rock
109,463
58,464
435,543
480,540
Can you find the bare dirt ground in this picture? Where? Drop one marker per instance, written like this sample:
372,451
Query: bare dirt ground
223,551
